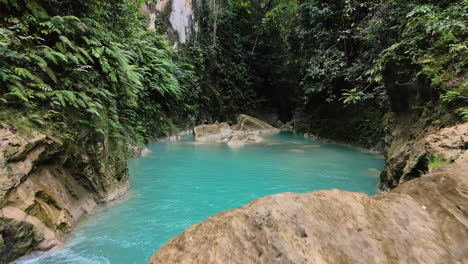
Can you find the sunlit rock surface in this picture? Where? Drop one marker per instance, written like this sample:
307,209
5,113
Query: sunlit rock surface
421,221
248,123
236,135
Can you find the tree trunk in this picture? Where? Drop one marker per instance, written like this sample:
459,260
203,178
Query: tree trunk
215,22
151,15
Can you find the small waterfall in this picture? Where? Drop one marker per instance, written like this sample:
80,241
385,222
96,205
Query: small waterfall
183,19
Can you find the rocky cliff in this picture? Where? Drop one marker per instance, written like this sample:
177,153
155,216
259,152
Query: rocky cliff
47,185
410,135
411,145
421,221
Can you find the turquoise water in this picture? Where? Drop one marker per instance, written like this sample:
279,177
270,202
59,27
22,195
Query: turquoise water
182,183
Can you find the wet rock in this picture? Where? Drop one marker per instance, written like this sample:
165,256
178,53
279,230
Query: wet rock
241,140
421,221
309,135
278,124
236,141
224,127
17,238
288,127
47,186
2,244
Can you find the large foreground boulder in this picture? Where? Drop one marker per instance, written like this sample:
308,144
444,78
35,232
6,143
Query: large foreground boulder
421,221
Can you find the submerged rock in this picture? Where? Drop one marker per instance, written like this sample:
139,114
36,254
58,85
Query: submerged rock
236,141
297,150
241,140
421,221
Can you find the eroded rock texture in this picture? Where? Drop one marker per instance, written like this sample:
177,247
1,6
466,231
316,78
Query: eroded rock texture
411,144
46,186
421,221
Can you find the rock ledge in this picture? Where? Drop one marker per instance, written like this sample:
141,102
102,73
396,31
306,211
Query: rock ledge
421,221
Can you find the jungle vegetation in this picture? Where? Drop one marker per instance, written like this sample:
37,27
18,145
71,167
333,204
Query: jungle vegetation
94,66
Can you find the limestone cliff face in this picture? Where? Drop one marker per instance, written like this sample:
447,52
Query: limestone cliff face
412,142
47,185
421,221
409,138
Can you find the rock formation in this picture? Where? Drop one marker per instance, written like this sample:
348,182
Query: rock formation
239,141
47,185
207,132
248,123
237,135
410,145
421,221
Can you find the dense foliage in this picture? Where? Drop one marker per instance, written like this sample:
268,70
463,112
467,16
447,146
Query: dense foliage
93,65
290,54
77,67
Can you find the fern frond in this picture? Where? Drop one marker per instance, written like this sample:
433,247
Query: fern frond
49,72
67,42
85,53
17,91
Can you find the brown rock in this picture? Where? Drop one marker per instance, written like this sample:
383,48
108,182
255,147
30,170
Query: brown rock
206,130
422,221
46,187
449,143
411,144
248,123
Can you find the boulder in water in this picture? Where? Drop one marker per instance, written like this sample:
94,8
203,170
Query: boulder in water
207,132
247,123
241,140
236,141
421,221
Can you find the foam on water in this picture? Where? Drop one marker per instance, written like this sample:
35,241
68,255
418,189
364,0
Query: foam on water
181,184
